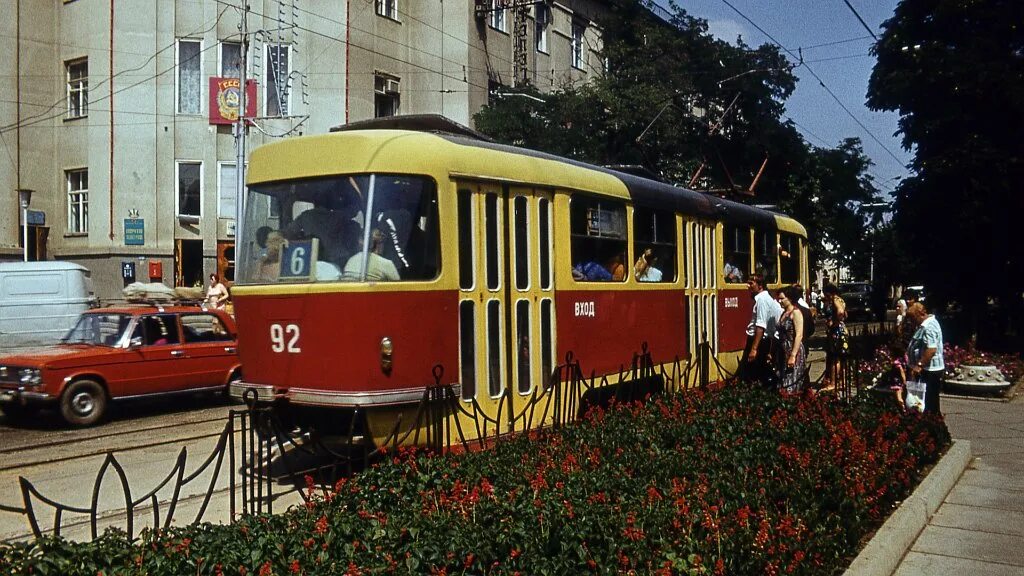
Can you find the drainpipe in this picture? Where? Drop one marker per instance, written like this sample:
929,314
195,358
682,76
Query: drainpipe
17,89
111,80
348,50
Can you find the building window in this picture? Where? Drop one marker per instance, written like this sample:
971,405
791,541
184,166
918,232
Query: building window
542,17
78,88
227,183
498,15
578,29
386,95
78,201
388,8
230,59
190,85
277,81
190,189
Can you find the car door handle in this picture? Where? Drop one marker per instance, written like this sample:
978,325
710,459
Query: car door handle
230,349
177,353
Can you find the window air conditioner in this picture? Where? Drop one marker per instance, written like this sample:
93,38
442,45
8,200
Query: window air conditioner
392,86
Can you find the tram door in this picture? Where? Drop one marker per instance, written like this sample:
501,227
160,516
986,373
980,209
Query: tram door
701,285
506,304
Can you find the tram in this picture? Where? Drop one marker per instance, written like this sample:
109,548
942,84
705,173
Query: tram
376,252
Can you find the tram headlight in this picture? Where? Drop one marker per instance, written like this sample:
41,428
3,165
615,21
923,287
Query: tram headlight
387,349
30,376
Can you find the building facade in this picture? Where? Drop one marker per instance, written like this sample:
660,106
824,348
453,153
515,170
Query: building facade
114,115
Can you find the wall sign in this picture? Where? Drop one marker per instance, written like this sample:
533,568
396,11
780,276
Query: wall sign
225,98
134,232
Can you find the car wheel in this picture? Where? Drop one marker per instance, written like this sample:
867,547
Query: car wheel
83,403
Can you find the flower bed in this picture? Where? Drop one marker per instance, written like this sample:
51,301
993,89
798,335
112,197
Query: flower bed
1009,364
729,480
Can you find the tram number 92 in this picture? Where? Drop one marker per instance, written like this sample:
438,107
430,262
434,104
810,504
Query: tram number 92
284,338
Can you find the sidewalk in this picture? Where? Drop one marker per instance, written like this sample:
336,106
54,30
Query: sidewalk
979,529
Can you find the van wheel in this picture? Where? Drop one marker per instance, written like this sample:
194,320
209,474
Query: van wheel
83,403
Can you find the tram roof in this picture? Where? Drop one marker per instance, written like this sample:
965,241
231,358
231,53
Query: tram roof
306,157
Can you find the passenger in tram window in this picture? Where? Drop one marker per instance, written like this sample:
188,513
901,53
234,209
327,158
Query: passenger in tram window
271,243
615,267
733,274
591,271
330,222
378,268
645,268
398,233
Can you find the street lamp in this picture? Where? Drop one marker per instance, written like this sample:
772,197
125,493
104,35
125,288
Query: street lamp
24,198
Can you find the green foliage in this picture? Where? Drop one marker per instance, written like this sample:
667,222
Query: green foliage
728,480
954,70
675,99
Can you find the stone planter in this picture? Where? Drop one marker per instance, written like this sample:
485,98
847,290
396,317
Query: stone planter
976,378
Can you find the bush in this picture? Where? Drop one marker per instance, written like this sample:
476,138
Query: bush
727,480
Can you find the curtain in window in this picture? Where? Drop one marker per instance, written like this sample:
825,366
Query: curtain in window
189,78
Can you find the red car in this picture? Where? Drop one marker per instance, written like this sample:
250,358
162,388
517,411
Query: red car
122,352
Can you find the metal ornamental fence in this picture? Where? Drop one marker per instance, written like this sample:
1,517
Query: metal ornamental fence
265,460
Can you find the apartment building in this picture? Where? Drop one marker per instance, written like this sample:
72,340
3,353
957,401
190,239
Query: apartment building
117,114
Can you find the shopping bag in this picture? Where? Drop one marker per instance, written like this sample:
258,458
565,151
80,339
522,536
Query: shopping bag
915,394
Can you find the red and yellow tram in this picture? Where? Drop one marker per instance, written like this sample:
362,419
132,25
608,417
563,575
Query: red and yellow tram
371,255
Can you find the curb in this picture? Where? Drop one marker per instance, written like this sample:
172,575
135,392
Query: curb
883,553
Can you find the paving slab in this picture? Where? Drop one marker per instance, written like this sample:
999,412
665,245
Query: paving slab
993,478
1008,522
982,546
919,564
986,497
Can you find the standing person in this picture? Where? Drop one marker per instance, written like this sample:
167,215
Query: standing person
925,354
760,331
216,294
792,352
837,344
906,327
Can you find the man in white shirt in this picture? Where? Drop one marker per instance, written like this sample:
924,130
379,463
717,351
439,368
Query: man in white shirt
760,331
925,355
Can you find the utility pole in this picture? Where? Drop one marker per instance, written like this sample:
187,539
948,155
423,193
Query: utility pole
240,130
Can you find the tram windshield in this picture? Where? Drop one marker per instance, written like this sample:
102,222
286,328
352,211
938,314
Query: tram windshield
317,230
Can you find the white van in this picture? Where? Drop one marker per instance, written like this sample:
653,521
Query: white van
41,301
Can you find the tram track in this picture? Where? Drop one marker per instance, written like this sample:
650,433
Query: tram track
93,437
7,467
28,448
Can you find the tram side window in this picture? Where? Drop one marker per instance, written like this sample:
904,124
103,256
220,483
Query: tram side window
598,233
789,258
654,244
737,253
766,255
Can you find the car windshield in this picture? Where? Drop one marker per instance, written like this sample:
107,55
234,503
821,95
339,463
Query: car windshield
317,230
855,288
98,328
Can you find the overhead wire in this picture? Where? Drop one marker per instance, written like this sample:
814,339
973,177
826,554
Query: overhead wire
820,82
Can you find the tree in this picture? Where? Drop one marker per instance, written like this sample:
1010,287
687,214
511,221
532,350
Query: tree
954,70
674,99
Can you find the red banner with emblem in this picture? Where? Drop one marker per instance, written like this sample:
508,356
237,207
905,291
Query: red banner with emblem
224,99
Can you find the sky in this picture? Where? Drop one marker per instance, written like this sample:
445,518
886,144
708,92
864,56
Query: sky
835,46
